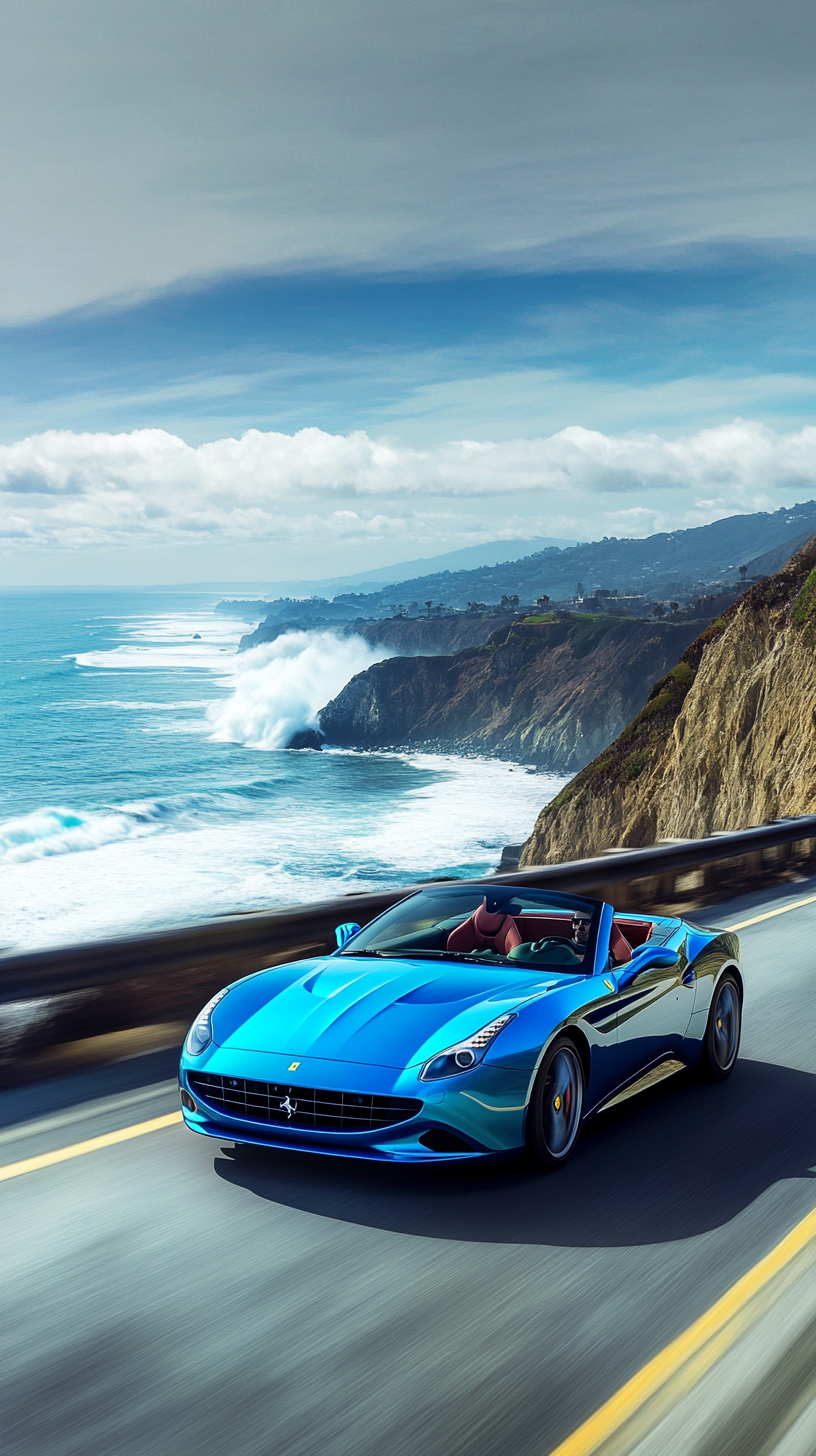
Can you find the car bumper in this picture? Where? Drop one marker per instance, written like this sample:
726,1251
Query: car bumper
484,1109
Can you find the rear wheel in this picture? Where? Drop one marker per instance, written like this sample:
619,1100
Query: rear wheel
723,1029
556,1106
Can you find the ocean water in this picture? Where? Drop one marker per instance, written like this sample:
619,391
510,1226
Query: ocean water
144,783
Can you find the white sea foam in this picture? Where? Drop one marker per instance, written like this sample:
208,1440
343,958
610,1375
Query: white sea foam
172,642
205,656
464,815
280,686
304,837
93,705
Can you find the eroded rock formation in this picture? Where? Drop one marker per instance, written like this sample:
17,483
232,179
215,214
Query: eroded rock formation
726,740
551,692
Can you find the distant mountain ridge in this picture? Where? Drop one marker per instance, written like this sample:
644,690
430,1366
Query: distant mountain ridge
651,564
654,566
462,558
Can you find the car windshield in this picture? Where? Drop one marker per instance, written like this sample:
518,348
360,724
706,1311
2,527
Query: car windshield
486,923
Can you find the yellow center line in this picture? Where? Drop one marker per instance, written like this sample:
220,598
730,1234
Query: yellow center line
700,1337
91,1145
769,914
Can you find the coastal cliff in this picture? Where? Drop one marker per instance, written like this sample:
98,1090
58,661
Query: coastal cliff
727,739
549,690
405,635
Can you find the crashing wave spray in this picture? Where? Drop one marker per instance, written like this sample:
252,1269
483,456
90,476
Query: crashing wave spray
281,686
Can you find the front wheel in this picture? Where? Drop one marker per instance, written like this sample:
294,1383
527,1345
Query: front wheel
556,1106
723,1029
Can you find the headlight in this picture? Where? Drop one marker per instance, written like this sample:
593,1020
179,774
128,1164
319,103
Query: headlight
466,1054
200,1034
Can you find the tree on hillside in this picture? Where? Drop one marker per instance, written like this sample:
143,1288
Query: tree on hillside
675,606
743,571
579,588
429,605
659,610
542,601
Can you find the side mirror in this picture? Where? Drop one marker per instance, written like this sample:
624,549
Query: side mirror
345,933
658,958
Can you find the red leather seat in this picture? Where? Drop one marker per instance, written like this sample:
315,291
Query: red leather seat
619,946
483,931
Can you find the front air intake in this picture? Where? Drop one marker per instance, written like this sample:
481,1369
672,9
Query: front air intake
441,1140
275,1102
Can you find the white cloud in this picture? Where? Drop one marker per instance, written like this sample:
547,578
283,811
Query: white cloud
150,488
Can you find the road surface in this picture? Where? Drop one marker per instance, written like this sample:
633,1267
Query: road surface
172,1295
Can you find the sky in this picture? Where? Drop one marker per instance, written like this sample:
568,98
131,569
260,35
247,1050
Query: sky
299,288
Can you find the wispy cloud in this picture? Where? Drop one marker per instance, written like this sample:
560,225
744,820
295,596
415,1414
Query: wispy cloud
63,489
274,136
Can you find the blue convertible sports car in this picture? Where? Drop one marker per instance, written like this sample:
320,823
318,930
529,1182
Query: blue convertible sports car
467,1021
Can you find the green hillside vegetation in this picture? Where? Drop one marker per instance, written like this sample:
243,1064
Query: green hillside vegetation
654,565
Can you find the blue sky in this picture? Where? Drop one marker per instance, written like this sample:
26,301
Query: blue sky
264,269
431,357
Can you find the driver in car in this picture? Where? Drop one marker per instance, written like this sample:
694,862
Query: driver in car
580,930
558,949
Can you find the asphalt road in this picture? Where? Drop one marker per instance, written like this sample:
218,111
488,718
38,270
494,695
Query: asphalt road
173,1295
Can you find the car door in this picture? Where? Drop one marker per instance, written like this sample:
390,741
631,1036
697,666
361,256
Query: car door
655,999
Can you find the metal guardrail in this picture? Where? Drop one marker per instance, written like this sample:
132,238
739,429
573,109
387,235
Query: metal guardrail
90,992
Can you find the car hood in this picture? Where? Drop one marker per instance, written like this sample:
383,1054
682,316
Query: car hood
382,1012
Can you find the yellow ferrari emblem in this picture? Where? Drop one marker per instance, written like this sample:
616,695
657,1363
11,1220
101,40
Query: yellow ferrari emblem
610,984
294,1066
557,1103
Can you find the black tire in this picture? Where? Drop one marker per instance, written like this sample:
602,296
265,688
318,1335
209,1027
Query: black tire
556,1105
723,1030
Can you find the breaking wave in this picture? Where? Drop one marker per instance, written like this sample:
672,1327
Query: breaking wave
281,686
50,831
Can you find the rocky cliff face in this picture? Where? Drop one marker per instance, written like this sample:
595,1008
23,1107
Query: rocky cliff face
549,691
727,739
407,635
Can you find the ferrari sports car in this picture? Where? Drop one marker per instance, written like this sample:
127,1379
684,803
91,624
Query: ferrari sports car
467,1021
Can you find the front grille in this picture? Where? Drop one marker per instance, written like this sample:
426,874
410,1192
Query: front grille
302,1106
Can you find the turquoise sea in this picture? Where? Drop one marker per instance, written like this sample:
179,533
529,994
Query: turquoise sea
144,784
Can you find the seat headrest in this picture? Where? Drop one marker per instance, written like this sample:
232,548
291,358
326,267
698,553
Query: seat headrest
488,924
